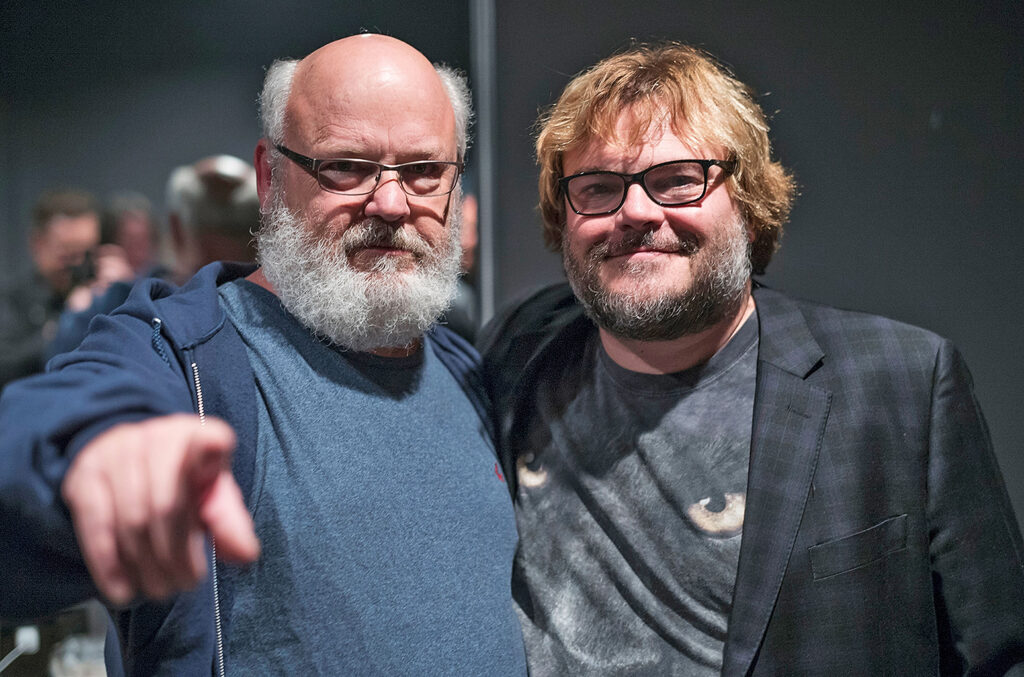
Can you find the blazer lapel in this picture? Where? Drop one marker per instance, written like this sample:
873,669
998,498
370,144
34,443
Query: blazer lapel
789,421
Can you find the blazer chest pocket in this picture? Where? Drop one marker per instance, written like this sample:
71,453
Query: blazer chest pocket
864,547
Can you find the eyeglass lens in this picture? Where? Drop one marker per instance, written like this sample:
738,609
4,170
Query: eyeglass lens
357,177
671,183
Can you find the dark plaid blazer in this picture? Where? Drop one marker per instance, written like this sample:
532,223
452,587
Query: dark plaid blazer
878,537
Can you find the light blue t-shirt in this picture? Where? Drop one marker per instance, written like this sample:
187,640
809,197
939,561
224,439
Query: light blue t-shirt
387,531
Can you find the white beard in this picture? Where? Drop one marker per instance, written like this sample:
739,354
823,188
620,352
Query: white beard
387,307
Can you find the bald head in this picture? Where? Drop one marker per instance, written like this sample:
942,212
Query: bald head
342,85
359,69
358,64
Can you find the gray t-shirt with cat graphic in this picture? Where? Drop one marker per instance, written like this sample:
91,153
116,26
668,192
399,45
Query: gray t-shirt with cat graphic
630,514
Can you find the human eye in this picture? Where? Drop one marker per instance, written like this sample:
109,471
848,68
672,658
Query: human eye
427,178
595,185
420,169
676,181
347,175
347,166
595,192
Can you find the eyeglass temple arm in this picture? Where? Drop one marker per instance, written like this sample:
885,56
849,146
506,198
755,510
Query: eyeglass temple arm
729,166
307,163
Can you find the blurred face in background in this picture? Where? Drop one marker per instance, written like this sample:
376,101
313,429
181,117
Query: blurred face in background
136,235
61,245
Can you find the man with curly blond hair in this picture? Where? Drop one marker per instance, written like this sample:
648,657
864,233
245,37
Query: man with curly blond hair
712,477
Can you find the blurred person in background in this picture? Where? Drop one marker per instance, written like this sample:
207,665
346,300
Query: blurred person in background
63,238
212,210
127,250
128,223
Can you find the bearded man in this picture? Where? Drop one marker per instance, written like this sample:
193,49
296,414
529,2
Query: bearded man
363,495
714,478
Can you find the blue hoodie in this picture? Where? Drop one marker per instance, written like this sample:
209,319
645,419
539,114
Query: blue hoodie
166,350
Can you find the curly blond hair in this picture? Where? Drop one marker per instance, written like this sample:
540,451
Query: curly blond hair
706,105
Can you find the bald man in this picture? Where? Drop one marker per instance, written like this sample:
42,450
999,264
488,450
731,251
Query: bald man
286,469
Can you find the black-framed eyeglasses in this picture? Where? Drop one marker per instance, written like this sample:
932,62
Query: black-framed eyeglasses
669,184
351,176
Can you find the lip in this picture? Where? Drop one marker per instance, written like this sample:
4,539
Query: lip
645,252
380,250
367,258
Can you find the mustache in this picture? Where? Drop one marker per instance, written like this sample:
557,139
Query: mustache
633,240
375,232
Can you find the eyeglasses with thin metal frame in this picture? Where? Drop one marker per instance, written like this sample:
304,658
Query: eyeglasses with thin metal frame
668,184
352,176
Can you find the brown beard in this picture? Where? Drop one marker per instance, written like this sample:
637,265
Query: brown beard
720,270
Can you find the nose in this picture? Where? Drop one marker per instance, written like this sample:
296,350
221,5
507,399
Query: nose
639,210
388,201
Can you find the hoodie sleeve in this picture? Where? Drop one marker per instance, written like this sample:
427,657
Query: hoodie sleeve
123,372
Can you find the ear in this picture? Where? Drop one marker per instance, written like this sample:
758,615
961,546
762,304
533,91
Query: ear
261,160
468,237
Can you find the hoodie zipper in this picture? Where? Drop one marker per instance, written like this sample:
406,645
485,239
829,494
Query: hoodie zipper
201,409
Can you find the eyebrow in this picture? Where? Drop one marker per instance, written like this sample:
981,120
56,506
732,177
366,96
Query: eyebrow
594,168
399,158
425,152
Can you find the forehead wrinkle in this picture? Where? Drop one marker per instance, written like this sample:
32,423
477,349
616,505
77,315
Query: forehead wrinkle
329,143
333,136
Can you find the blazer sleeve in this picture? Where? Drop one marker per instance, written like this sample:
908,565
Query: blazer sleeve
976,551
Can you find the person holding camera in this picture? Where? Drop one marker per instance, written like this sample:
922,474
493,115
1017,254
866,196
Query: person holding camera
64,235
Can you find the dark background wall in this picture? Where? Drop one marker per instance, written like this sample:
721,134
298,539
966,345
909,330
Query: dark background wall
903,126
111,95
